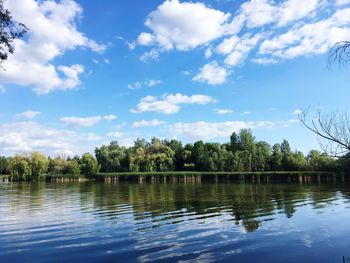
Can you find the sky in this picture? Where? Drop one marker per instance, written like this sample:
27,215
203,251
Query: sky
91,72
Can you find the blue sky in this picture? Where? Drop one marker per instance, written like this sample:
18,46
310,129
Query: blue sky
88,73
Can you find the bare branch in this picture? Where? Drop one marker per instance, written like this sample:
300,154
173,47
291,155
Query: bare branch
339,53
333,129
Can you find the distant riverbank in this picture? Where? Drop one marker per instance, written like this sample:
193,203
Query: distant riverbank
153,177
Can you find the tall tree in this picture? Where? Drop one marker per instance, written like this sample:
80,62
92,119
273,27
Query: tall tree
89,165
276,159
38,164
9,30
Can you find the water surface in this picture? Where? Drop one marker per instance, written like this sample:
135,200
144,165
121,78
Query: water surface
130,222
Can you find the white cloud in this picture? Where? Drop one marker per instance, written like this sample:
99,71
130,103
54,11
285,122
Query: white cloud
265,61
52,32
258,13
122,138
295,27
81,122
183,25
297,112
342,2
145,39
148,83
169,104
208,52
150,123
114,134
86,121
20,137
212,74
2,89
29,114
150,55
237,48
223,111
309,39
110,117
287,28
152,82
210,130
135,85
246,112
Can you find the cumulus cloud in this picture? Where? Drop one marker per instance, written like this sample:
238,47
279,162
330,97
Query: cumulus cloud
145,39
153,54
147,83
151,123
258,13
212,74
203,130
122,138
110,117
114,134
291,28
86,121
81,122
52,32
170,104
297,112
29,114
309,39
342,2
21,137
223,111
183,26
237,48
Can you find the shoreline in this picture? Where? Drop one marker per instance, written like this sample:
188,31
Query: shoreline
183,177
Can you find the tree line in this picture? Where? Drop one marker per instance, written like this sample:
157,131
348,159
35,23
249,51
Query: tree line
243,153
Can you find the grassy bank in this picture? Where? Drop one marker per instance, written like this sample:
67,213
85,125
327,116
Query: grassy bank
293,176
302,176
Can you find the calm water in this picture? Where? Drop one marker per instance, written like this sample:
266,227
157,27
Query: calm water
96,222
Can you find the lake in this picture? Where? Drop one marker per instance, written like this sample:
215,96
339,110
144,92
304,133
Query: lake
191,222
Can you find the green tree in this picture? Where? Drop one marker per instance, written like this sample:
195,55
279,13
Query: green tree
199,156
318,161
262,156
276,158
9,30
3,165
19,168
88,164
71,167
38,164
234,142
298,162
57,165
112,158
286,155
247,148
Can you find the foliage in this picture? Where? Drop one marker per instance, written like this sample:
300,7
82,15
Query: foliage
112,158
3,165
242,154
88,165
71,167
19,168
38,164
9,30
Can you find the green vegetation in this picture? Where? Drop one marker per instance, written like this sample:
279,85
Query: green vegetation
242,154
